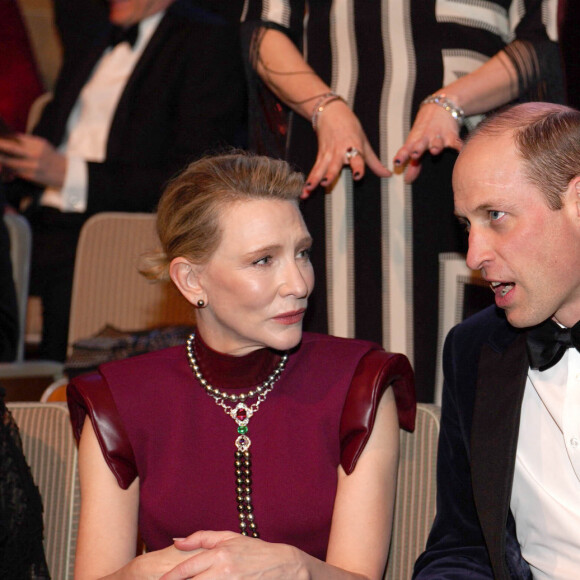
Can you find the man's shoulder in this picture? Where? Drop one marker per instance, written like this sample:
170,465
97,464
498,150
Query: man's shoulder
488,328
489,325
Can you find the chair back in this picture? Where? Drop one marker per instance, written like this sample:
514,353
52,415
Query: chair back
20,247
416,493
51,453
107,287
462,292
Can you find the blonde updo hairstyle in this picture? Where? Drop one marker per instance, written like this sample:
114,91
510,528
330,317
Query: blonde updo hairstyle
188,215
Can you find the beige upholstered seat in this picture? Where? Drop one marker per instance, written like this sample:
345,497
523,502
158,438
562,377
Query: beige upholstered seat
51,452
20,247
416,491
107,287
454,276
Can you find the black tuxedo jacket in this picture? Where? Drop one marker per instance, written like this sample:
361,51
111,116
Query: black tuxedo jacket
185,97
473,536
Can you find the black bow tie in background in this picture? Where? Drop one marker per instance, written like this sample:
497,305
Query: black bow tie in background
119,34
548,342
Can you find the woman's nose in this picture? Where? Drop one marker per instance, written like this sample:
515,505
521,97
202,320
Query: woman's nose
295,281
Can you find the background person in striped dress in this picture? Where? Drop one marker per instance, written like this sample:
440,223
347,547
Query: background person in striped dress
378,237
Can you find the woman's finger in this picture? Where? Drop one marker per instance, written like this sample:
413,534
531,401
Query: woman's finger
436,144
412,171
339,159
374,163
315,176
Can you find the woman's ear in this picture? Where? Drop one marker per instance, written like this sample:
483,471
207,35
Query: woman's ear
185,276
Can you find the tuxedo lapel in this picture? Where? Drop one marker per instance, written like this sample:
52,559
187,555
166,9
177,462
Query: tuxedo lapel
156,49
500,387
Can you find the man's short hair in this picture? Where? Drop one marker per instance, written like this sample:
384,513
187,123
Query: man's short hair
547,138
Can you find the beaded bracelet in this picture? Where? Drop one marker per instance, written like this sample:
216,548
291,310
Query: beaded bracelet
454,110
321,104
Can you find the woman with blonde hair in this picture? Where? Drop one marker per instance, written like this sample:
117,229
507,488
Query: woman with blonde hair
255,448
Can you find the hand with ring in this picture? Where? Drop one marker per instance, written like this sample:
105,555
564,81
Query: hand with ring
341,141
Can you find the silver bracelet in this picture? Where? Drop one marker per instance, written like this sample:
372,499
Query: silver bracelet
321,104
454,110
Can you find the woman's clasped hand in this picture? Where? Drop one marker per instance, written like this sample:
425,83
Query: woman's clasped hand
231,555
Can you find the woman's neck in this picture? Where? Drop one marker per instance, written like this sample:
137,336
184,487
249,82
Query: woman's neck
225,371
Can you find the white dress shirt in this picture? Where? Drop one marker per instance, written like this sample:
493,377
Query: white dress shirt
545,498
89,122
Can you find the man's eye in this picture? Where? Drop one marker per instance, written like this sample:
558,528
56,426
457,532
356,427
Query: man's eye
495,215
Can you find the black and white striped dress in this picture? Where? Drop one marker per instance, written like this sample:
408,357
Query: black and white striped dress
377,241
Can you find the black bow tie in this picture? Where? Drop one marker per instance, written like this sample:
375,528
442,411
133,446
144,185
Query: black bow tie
548,342
119,34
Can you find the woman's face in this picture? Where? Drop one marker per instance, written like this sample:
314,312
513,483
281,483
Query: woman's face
256,284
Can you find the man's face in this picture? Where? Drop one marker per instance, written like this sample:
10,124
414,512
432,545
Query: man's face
529,253
125,13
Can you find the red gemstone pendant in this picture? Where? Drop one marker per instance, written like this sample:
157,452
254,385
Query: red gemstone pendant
241,414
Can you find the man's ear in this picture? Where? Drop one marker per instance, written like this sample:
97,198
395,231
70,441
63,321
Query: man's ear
575,186
185,276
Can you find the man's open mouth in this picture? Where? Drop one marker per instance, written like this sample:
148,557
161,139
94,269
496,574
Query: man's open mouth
501,288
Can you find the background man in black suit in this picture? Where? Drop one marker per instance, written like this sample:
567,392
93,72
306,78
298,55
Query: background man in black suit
509,465
123,120
77,23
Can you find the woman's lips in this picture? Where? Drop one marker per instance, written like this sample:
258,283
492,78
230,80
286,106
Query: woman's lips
290,317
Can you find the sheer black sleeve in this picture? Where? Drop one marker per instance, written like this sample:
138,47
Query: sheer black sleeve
21,550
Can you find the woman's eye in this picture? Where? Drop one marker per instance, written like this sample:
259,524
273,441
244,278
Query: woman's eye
495,215
305,253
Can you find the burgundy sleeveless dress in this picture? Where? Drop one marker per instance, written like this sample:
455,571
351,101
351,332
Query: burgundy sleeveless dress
154,420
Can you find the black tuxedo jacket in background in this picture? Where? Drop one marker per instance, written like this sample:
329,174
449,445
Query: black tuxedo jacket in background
485,364
185,97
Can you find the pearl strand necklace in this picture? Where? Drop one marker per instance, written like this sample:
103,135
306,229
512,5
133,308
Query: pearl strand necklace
241,414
